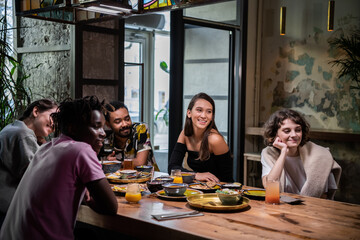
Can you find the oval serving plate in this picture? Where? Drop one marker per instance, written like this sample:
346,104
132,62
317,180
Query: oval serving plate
122,188
188,192
210,201
204,189
255,193
114,178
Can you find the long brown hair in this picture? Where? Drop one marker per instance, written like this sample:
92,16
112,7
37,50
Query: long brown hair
204,153
275,121
42,104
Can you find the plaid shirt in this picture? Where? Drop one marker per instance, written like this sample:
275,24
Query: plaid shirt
138,141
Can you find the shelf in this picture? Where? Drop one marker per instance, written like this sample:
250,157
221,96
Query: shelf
319,134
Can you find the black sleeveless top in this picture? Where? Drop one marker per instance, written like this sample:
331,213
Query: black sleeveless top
219,165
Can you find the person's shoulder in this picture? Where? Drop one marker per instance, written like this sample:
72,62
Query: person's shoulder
310,146
182,138
18,130
140,127
215,137
217,143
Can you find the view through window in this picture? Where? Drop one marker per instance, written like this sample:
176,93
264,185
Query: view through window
147,61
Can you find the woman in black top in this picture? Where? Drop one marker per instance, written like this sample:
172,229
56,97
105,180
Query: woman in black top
208,153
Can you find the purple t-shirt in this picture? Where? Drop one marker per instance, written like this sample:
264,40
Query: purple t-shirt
47,199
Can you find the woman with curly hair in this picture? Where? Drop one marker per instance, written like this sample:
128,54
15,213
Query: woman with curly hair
301,166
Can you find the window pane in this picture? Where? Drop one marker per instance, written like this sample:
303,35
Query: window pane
133,91
161,99
225,12
206,69
133,52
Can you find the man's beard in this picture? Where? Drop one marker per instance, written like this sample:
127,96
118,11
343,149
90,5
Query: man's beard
124,135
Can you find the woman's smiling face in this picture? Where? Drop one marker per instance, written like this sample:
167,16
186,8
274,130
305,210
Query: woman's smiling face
290,133
94,133
201,114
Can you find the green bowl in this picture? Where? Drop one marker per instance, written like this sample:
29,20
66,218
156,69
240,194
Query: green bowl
230,199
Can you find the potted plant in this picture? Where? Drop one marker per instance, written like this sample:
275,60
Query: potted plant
349,58
14,96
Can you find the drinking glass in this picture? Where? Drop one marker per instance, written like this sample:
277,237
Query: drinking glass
128,164
108,149
176,175
133,193
272,192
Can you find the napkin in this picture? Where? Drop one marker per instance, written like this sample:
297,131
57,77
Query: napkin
290,200
177,215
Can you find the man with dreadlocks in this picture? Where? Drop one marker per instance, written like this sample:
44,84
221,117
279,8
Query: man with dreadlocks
46,202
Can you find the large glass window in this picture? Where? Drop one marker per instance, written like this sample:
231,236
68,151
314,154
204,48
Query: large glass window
161,90
147,61
206,69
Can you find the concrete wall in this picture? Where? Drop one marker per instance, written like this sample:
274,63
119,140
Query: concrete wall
45,54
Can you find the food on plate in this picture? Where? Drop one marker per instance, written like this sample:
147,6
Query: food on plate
234,185
204,186
229,197
227,191
112,176
211,184
122,188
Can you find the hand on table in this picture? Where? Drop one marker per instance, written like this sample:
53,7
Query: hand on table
206,176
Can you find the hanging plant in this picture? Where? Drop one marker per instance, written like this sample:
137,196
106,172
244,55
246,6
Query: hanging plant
349,59
14,96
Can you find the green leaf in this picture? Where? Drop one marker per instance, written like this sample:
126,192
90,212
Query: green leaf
164,66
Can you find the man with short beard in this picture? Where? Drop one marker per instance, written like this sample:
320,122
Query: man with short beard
129,140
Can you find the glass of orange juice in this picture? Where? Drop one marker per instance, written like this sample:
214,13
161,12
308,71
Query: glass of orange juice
272,192
133,193
176,175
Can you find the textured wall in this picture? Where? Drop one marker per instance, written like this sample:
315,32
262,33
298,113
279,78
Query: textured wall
295,68
49,71
295,73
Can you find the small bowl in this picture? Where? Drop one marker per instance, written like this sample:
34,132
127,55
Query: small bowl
165,179
144,168
175,189
127,173
188,177
154,186
229,199
110,166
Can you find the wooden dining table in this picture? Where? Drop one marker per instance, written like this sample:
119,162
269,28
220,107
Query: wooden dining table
314,218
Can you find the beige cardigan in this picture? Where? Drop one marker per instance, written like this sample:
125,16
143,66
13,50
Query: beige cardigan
318,163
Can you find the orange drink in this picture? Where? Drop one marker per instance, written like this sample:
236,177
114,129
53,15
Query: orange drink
130,197
176,175
177,179
133,194
272,193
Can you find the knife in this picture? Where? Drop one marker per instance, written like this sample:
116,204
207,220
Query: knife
172,215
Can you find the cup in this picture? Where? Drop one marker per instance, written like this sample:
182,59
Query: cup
133,193
128,164
272,193
176,175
